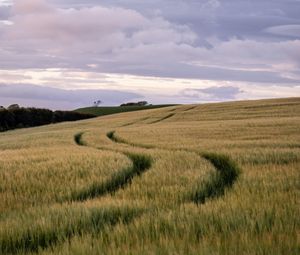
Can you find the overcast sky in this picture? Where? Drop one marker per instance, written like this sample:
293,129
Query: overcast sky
68,53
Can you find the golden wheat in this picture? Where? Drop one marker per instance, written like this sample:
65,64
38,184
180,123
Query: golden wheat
151,211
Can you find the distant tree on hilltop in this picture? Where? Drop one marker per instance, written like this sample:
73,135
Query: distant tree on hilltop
140,103
13,106
97,103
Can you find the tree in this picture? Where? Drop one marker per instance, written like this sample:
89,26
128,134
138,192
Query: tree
97,103
30,117
142,103
13,106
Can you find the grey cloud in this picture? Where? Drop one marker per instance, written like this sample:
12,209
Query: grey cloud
205,73
5,12
213,93
207,39
233,61
285,30
32,95
223,19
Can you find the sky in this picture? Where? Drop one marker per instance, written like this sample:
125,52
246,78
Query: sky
65,54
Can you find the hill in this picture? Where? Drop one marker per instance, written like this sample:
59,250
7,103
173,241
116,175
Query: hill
108,110
198,179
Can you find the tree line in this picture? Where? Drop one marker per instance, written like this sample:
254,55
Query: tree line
140,103
20,117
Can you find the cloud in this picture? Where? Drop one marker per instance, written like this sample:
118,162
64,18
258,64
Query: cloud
285,30
213,93
31,95
5,3
5,13
222,19
106,28
80,37
212,40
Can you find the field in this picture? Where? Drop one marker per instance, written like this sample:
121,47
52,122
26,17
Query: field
108,110
196,179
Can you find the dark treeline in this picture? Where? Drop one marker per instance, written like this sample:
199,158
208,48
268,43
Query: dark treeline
31,117
140,103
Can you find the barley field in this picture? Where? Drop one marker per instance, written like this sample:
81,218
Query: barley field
195,179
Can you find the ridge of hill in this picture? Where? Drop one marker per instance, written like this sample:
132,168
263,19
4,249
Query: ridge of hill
108,110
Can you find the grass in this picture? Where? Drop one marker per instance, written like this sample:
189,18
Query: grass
222,179
40,176
163,118
113,137
59,225
118,180
225,176
101,111
226,173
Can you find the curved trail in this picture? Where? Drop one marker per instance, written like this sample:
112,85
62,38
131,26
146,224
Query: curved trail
140,164
111,135
64,224
224,178
153,122
78,139
94,219
90,220
226,173
191,108
135,122
163,118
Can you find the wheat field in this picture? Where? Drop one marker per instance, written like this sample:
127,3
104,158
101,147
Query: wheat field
195,179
